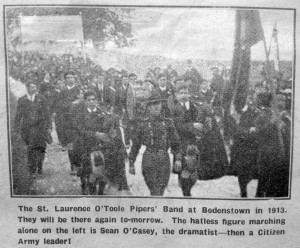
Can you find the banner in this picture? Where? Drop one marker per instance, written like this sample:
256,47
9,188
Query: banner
248,32
51,28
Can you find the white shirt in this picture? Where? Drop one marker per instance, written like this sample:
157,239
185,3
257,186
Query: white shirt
186,105
92,110
70,87
31,98
100,87
163,88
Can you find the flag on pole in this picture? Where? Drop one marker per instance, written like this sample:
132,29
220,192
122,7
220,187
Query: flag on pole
248,32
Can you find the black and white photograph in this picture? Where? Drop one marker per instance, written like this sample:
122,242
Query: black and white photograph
150,101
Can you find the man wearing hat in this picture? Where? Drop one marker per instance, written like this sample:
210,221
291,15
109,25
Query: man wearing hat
193,75
158,134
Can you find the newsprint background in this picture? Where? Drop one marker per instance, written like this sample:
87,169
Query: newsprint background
20,214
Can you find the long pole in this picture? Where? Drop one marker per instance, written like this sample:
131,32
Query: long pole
273,90
83,50
83,45
22,48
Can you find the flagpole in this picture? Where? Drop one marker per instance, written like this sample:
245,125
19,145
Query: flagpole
83,45
277,45
22,48
273,90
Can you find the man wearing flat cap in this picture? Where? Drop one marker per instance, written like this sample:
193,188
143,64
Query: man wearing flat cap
158,134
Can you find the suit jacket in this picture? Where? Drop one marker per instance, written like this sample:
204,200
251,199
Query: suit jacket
165,95
67,98
121,97
183,120
101,92
86,124
33,120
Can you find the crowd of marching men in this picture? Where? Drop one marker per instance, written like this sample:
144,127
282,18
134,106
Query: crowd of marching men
89,104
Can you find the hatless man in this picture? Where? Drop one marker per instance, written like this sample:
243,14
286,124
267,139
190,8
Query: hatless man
67,97
185,119
121,95
33,122
99,87
97,131
132,78
165,92
206,95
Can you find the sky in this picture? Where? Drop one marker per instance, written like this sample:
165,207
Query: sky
202,33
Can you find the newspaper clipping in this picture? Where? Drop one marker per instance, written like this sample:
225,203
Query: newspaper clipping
154,124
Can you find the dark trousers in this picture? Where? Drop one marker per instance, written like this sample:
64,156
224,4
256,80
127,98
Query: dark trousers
35,158
186,185
115,169
59,120
75,159
269,163
65,132
126,128
156,171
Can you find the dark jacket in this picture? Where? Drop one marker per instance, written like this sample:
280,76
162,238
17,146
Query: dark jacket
217,85
67,98
157,134
212,155
33,120
183,120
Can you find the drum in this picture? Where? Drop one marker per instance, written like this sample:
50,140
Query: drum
136,97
